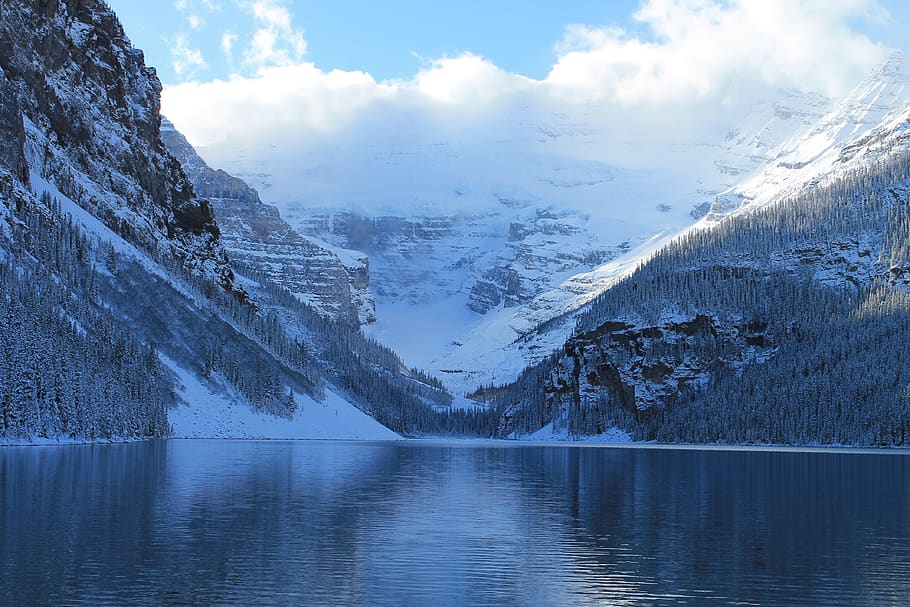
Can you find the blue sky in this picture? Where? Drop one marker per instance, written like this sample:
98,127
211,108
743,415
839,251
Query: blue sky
183,38
248,68
517,35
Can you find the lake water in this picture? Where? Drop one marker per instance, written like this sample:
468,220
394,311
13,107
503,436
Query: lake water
434,525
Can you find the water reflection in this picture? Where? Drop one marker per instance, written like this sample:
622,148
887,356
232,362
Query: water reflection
238,523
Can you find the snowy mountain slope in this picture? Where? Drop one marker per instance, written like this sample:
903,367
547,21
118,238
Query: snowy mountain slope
214,411
775,154
119,304
475,240
254,234
159,307
826,146
783,323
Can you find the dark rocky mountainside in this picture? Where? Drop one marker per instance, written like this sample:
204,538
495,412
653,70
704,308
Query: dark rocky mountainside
79,108
121,314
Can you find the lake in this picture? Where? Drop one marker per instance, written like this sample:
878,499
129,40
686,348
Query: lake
449,524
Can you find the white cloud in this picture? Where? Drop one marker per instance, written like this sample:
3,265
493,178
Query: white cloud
185,59
194,21
275,41
709,49
465,79
697,65
227,44
294,97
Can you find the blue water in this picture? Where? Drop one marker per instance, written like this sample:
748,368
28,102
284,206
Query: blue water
310,523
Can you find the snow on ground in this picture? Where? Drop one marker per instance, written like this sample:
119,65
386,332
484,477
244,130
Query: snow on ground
550,434
421,333
465,349
206,411
460,402
878,104
209,413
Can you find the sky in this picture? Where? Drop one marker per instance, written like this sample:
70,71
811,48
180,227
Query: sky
352,35
188,39
243,74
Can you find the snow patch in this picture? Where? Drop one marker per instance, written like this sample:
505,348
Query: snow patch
550,433
210,411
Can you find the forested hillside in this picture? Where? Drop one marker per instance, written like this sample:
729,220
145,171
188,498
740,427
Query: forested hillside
114,284
56,377
788,324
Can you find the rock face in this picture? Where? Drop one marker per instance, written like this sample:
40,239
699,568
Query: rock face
404,252
334,282
544,246
493,261
79,109
644,368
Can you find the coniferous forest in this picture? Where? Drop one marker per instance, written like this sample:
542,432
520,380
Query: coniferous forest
67,368
70,369
789,324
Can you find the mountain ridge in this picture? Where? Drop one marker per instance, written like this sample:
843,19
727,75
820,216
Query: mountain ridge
67,136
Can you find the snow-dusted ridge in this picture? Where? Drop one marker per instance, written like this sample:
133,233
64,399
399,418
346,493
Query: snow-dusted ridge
774,159
843,138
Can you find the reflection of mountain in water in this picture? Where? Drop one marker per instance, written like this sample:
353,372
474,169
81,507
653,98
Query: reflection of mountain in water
201,523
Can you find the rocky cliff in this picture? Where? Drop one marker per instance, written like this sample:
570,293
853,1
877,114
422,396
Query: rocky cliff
334,282
80,110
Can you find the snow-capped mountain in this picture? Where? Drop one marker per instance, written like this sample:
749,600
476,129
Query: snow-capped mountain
825,146
781,322
476,240
781,149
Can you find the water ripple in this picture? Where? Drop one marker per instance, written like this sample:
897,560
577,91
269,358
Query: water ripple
241,523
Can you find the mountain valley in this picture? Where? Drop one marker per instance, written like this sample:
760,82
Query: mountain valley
549,276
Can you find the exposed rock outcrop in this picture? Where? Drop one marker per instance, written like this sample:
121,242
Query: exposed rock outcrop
79,108
544,246
644,368
335,282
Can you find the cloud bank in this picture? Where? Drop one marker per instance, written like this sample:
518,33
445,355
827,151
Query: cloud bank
689,53
707,49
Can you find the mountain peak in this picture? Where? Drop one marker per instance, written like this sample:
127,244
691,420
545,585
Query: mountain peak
894,72
897,61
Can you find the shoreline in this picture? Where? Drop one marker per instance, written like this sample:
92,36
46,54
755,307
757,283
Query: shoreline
491,442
